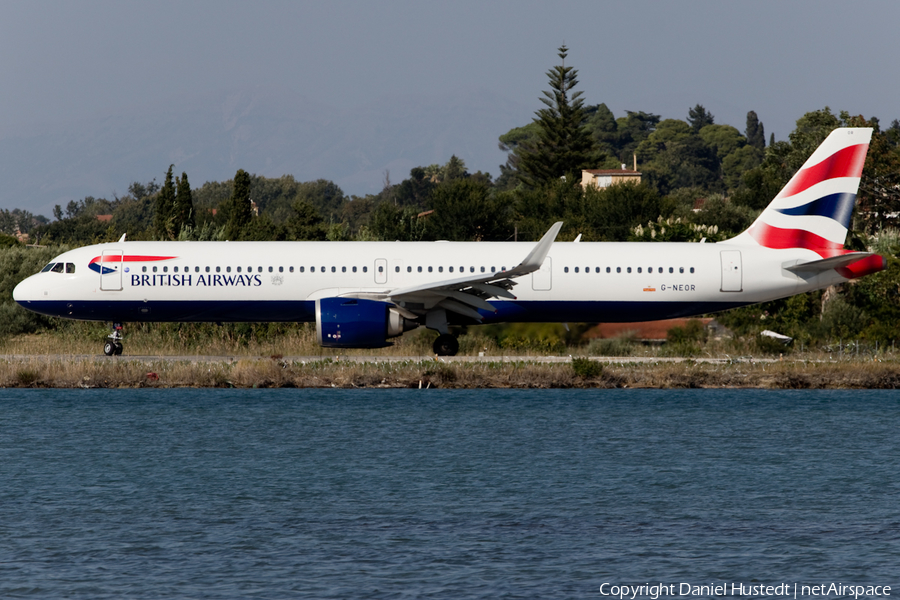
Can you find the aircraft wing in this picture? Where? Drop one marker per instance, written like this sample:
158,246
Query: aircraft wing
464,295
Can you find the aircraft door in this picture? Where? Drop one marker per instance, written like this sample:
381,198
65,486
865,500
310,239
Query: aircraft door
111,270
732,279
381,270
542,279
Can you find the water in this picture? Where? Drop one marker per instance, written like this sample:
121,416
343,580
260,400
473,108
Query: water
442,494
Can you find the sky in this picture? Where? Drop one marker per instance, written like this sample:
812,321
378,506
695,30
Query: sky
63,61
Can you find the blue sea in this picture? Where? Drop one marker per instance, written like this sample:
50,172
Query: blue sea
187,493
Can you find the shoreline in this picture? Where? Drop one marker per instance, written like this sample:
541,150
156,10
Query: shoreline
61,371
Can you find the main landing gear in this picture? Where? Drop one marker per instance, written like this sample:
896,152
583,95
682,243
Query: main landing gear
446,344
113,345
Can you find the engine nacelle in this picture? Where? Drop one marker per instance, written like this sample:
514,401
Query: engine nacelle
357,323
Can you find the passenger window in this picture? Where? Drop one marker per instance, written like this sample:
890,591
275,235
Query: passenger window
639,269
281,269
409,269
482,269
207,269
671,270
649,269
218,269
354,269
471,269
451,269
598,269
692,269
365,269
681,269
270,269
58,268
493,270
334,269
301,269
343,269
259,269
565,269
380,269
660,269
196,269
440,269
618,269
154,268
608,269
419,269
143,269
576,269
228,269
430,270
175,269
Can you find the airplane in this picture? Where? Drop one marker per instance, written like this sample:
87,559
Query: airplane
362,294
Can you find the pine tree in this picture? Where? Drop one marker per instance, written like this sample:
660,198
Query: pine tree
237,208
183,213
563,146
756,135
699,117
165,205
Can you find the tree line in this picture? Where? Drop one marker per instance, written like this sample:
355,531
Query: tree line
699,179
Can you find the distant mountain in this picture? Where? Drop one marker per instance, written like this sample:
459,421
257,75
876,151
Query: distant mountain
269,132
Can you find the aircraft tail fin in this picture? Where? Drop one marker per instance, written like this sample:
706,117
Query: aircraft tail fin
813,210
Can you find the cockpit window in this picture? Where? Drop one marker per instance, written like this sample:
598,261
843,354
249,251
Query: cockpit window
48,267
70,267
58,267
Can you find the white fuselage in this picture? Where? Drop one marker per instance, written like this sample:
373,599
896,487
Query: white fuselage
280,281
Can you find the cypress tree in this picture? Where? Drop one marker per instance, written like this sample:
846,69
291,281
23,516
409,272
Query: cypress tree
237,208
183,214
563,146
756,135
165,205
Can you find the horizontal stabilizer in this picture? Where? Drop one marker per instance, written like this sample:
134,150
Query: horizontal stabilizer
827,264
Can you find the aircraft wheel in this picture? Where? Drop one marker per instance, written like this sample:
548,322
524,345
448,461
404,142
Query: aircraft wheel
109,348
446,345
118,349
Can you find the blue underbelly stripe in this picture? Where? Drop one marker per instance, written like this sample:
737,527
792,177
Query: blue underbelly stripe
251,311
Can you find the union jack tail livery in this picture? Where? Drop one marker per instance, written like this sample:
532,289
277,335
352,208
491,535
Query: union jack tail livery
813,210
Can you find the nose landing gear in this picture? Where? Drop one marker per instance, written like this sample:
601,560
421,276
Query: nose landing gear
113,345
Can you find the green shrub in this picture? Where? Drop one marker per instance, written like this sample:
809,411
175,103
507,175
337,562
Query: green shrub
586,368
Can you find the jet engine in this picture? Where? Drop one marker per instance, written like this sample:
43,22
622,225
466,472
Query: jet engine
358,323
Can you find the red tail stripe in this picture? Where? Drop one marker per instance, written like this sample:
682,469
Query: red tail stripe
843,163
779,239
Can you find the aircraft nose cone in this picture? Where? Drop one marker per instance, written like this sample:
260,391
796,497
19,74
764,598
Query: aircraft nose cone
25,291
